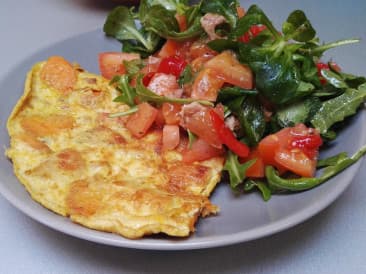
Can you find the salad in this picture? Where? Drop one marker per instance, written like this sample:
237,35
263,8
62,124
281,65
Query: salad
221,80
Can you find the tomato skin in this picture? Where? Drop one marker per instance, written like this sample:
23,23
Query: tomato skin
165,84
171,113
171,137
296,161
207,85
111,63
256,170
140,122
172,65
253,32
182,21
200,151
231,70
227,137
197,119
293,149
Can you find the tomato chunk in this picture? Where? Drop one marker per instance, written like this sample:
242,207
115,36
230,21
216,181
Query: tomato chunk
172,65
140,122
207,85
171,113
295,149
256,170
111,63
170,137
197,119
200,151
231,70
227,136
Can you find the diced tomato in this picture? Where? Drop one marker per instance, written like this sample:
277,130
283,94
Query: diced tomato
207,85
170,137
172,65
256,170
289,146
140,122
296,161
160,120
165,84
231,70
200,151
147,78
169,48
200,49
253,32
197,119
111,63
227,137
171,113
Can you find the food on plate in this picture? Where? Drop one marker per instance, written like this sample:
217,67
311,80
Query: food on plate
77,161
198,91
274,101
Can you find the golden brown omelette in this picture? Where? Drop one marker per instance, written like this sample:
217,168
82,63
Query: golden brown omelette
77,161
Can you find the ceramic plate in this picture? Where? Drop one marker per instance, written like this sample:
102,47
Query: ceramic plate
241,218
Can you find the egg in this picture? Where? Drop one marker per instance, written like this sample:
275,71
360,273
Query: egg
77,161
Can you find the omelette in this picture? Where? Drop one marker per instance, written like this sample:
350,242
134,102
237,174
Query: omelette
77,161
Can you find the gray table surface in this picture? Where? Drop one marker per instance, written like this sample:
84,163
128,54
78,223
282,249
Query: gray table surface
333,241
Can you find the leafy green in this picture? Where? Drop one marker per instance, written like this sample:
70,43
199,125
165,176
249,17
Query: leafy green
336,109
331,161
128,93
186,76
235,169
250,115
298,27
120,24
163,23
227,94
261,186
298,112
226,8
335,166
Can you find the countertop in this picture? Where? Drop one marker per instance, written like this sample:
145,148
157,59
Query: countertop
333,241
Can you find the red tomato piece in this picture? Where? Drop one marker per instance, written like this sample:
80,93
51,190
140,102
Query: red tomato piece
140,122
182,21
256,170
172,65
229,68
111,63
293,149
227,137
200,151
197,119
207,85
253,32
323,66
171,113
171,137
296,161
165,84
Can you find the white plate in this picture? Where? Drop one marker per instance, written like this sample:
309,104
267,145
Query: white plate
241,218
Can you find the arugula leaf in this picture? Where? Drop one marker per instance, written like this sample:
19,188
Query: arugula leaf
186,76
128,93
162,22
261,186
336,109
339,164
120,24
229,93
299,112
298,27
331,161
226,8
235,169
133,66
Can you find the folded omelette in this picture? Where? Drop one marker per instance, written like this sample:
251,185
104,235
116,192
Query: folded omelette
78,162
